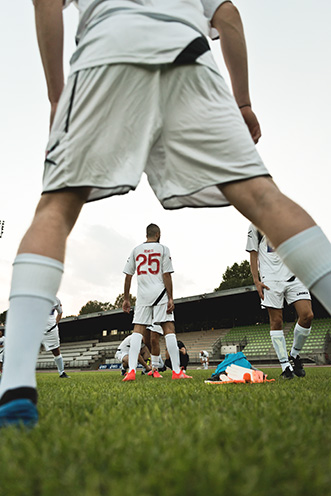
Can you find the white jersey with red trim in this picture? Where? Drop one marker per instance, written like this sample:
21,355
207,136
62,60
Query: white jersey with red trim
271,267
151,261
57,307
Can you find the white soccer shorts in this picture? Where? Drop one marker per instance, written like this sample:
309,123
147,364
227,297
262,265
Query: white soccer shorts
119,355
290,291
51,339
156,328
178,124
152,315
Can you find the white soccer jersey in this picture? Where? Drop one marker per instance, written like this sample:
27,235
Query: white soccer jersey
57,307
271,267
110,31
151,261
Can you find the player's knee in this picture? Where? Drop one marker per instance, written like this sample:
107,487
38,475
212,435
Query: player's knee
306,319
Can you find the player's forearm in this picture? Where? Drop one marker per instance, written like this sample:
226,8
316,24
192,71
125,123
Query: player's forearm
254,267
127,286
228,23
49,27
167,279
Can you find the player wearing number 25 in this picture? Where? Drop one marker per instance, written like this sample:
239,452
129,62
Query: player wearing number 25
152,262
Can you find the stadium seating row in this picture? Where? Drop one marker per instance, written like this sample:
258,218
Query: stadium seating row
254,340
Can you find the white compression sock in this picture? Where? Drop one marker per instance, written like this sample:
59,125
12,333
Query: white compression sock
300,336
59,363
155,361
279,344
171,343
35,282
161,362
134,351
308,256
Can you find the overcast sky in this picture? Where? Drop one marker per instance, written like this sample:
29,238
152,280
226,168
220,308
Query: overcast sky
289,48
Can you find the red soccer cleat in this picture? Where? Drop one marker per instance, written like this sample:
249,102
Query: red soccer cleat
181,375
130,376
157,375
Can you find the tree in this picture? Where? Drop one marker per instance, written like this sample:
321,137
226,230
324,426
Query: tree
236,276
95,306
3,318
119,300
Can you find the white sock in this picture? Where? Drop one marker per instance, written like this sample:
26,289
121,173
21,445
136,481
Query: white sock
300,336
172,347
35,282
135,346
161,362
155,361
279,344
59,363
308,256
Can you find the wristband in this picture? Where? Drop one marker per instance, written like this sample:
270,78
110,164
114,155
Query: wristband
246,105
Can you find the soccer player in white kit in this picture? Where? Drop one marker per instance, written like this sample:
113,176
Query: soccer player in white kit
122,354
154,305
172,117
204,359
274,283
51,338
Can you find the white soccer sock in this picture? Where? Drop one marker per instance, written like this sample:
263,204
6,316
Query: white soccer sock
172,347
308,256
155,361
300,336
135,346
279,344
59,363
161,362
35,282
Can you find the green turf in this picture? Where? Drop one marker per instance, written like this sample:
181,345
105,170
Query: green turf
100,436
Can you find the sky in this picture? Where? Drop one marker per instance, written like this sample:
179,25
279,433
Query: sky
289,53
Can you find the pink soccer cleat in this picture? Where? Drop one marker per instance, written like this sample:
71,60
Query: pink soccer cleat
130,376
181,375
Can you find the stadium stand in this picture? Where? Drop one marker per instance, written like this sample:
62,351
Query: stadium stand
253,340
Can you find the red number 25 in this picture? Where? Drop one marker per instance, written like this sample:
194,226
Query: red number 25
150,260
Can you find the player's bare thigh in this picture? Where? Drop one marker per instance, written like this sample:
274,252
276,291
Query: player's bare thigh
275,318
54,218
260,200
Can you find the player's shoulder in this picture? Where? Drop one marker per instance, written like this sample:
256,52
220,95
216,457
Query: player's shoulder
57,302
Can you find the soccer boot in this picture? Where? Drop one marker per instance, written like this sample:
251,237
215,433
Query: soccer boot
64,376
181,375
297,365
18,412
157,375
287,374
130,376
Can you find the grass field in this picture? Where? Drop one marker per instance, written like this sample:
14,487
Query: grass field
99,436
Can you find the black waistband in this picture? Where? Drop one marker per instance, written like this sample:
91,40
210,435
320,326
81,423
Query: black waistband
53,327
190,53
